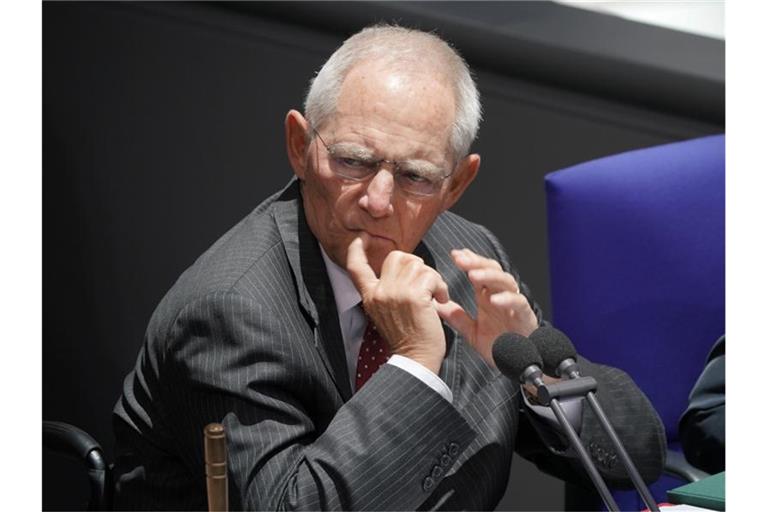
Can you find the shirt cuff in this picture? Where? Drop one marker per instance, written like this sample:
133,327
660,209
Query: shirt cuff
571,407
422,373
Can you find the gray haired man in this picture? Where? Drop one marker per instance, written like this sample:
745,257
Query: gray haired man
342,331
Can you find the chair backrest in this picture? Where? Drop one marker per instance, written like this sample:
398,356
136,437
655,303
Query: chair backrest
637,263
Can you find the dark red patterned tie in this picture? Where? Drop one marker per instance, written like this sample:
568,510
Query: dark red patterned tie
374,352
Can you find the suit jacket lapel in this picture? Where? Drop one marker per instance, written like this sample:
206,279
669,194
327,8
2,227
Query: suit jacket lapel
313,286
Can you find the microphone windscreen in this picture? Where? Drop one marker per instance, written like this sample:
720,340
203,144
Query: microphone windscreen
553,346
513,353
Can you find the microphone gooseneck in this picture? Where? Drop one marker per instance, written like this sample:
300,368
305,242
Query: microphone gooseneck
559,358
517,358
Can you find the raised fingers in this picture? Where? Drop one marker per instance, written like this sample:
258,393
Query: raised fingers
508,299
359,270
467,260
515,310
493,279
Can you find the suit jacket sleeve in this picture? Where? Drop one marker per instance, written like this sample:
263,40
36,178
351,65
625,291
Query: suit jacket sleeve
702,425
227,357
633,417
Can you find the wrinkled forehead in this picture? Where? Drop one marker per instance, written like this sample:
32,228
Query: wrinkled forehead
378,100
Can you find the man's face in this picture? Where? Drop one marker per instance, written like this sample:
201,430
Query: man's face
388,115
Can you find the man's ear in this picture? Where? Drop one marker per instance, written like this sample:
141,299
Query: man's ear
296,141
464,175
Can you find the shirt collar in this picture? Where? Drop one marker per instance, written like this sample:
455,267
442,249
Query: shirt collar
344,291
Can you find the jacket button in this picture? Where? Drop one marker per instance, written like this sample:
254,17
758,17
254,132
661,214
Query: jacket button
428,484
437,472
453,449
602,456
445,460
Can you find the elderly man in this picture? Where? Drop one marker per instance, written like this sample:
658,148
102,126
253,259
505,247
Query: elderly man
342,331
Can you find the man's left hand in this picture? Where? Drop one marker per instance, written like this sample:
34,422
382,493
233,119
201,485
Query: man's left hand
500,305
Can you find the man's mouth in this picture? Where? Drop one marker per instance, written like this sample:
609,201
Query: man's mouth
375,236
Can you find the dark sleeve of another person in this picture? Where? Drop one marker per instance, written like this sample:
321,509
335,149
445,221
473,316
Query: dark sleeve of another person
702,425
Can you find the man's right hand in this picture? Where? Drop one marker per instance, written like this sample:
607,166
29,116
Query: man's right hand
400,302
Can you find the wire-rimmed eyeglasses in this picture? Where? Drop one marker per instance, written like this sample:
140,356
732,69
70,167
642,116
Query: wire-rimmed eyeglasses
355,163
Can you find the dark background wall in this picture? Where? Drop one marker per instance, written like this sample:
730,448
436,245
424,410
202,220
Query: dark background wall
150,110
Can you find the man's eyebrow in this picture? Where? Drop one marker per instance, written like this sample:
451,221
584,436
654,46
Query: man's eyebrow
352,150
423,167
358,151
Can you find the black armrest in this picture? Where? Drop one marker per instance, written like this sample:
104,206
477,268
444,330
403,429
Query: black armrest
68,440
74,443
677,465
71,442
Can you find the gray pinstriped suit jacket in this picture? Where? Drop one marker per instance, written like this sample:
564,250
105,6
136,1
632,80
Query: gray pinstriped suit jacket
249,336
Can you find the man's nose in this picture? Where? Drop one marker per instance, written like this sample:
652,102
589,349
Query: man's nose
377,199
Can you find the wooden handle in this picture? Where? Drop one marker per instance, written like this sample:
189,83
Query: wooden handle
216,467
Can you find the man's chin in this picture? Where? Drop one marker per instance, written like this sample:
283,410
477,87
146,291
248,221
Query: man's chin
376,261
376,257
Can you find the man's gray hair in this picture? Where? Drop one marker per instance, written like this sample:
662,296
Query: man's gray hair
401,47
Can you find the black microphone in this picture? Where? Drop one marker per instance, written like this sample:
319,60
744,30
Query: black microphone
557,352
516,357
559,358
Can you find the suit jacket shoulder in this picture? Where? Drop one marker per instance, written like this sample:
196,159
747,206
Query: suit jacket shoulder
234,265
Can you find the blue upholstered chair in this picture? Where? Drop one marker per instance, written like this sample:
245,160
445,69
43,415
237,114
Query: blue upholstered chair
637,251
